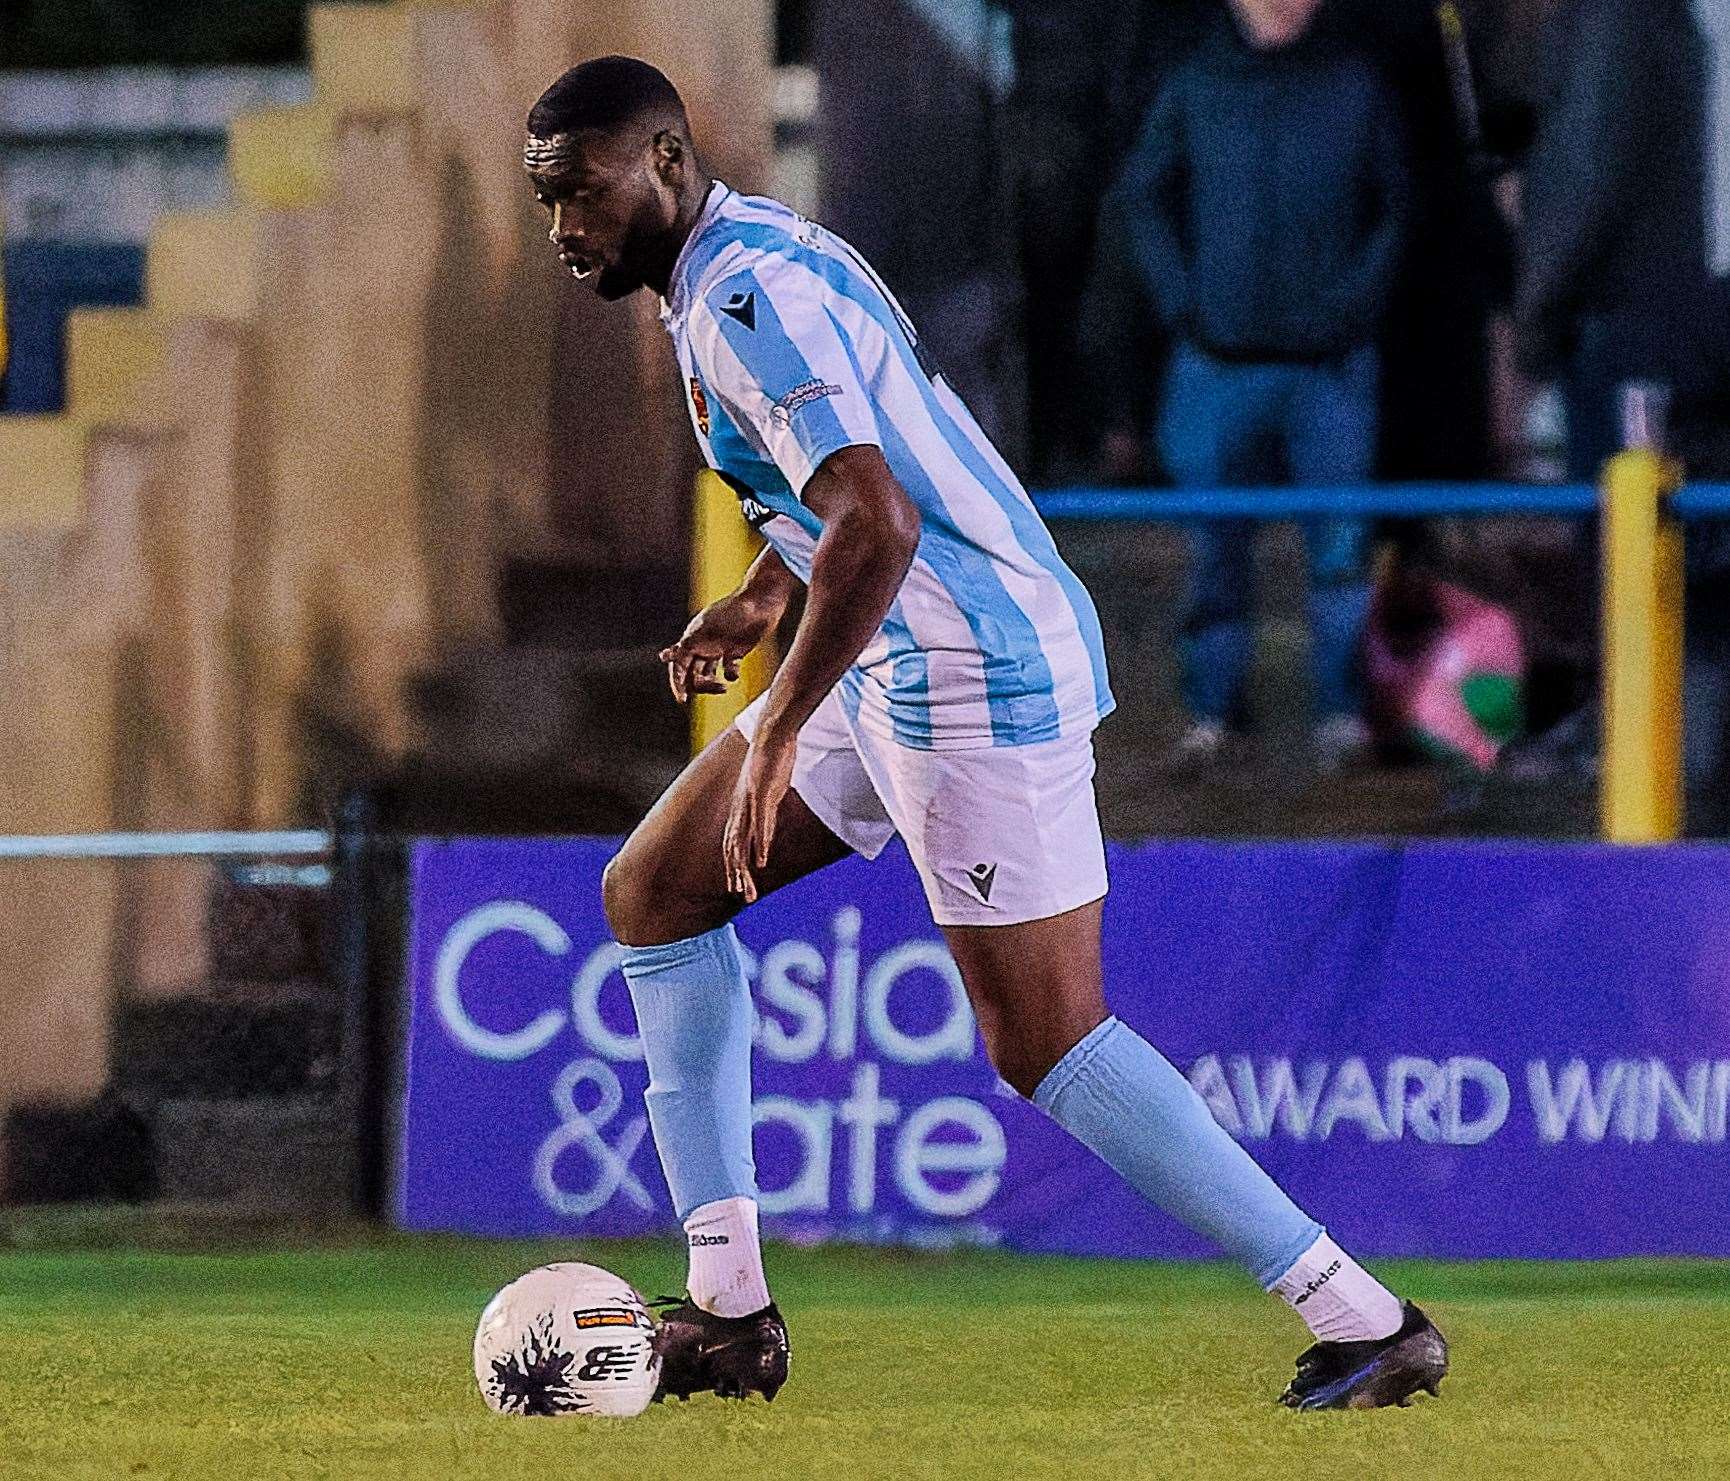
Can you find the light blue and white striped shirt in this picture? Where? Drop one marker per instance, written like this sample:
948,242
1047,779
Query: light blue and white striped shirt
791,348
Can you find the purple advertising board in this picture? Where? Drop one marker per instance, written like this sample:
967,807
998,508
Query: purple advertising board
1460,1050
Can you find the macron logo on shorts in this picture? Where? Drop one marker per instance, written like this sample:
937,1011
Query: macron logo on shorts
982,875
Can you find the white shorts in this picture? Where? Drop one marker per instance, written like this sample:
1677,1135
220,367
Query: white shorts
999,835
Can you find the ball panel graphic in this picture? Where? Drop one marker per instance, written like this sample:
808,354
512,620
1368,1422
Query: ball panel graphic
567,1339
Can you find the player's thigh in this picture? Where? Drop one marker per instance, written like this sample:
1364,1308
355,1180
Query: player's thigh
1000,835
1037,988
668,882
1008,847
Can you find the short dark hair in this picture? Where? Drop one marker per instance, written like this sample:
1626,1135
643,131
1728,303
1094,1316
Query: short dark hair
605,93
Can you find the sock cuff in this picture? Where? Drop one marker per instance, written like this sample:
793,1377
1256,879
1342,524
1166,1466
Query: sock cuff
740,1206
1274,1270
1057,1078
645,961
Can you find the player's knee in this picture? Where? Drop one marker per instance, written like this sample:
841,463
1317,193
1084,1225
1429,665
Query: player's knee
1021,1065
1024,1048
625,899
648,901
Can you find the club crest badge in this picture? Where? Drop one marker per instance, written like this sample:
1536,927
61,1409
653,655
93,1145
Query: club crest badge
700,405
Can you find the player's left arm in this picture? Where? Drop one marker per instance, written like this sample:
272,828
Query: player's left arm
870,534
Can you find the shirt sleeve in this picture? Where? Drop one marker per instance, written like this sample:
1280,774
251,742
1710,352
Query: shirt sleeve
787,372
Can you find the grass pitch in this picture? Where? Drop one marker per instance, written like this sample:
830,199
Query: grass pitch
353,1362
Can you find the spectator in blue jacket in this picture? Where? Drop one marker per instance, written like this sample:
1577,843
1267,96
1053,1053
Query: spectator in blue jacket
1264,206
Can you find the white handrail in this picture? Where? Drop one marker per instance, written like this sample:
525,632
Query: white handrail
305,842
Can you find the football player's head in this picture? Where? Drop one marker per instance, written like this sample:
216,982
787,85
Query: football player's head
610,156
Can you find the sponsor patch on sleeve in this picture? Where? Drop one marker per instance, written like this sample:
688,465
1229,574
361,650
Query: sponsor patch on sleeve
803,395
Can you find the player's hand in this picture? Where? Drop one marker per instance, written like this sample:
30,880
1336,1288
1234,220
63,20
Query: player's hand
706,658
763,782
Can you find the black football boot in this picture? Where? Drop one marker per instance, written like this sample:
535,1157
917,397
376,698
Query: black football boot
731,1356
1371,1375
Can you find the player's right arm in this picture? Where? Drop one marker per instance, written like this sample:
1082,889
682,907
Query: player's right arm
707,655
785,352
870,535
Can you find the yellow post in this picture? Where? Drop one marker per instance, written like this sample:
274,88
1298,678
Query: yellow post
1641,784
722,549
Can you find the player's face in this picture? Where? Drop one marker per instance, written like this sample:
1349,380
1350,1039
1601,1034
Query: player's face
610,201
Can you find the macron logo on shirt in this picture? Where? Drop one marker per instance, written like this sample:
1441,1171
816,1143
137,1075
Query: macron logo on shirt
743,307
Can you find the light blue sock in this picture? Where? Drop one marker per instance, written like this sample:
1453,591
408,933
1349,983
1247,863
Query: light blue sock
1117,1094
694,1014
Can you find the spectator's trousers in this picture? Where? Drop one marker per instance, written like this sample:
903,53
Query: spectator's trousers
1230,424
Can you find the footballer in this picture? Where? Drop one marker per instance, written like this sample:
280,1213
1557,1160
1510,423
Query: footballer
944,684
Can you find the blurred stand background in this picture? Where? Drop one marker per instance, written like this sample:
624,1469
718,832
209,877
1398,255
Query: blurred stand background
315,475
311,507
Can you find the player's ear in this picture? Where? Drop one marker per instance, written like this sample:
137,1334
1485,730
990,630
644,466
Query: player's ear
669,152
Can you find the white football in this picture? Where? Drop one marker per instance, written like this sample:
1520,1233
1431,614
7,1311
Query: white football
567,1339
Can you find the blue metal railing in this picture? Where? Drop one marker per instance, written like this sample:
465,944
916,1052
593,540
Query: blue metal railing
1701,501
1361,501
1641,778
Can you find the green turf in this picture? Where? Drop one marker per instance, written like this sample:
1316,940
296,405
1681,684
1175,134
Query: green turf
352,1362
